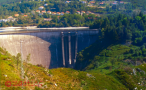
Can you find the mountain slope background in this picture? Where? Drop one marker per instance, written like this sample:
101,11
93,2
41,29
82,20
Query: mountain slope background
8,1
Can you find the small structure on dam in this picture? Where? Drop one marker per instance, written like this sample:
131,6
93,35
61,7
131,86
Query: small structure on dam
51,49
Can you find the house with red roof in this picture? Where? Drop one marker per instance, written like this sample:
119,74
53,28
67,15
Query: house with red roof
78,12
44,11
53,13
48,12
41,7
38,11
67,1
92,2
10,17
62,13
16,15
121,2
25,15
46,4
58,13
67,12
82,12
88,12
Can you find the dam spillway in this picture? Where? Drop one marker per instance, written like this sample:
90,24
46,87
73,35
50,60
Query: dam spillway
49,49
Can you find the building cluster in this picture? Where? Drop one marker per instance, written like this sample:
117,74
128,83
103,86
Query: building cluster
10,18
41,11
111,2
17,15
82,12
93,2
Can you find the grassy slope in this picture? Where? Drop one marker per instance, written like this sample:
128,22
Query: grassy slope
103,57
7,68
65,78
107,55
120,70
109,59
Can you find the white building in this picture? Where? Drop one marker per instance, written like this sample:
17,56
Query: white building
78,12
82,12
53,13
88,12
44,11
62,13
84,2
40,14
58,13
38,11
41,7
67,12
48,12
46,4
67,1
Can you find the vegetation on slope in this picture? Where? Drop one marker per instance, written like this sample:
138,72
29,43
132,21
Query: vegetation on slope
67,20
8,1
29,7
53,79
138,4
120,48
115,30
61,78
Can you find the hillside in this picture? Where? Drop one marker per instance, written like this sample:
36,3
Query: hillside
54,79
60,78
57,13
121,46
8,1
139,4
121,38
116,61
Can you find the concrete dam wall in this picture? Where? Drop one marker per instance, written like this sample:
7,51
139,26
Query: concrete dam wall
50,49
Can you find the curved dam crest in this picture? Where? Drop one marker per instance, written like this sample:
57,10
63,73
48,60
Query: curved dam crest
50,49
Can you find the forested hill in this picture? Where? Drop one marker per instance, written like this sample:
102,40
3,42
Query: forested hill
114,31
139,4
8,1
121,46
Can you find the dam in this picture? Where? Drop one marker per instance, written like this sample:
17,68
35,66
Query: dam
47,47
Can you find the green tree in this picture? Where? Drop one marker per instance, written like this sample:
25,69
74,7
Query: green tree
18,58
113,60
28,58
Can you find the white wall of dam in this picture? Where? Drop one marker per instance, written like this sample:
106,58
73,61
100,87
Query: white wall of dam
46,47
